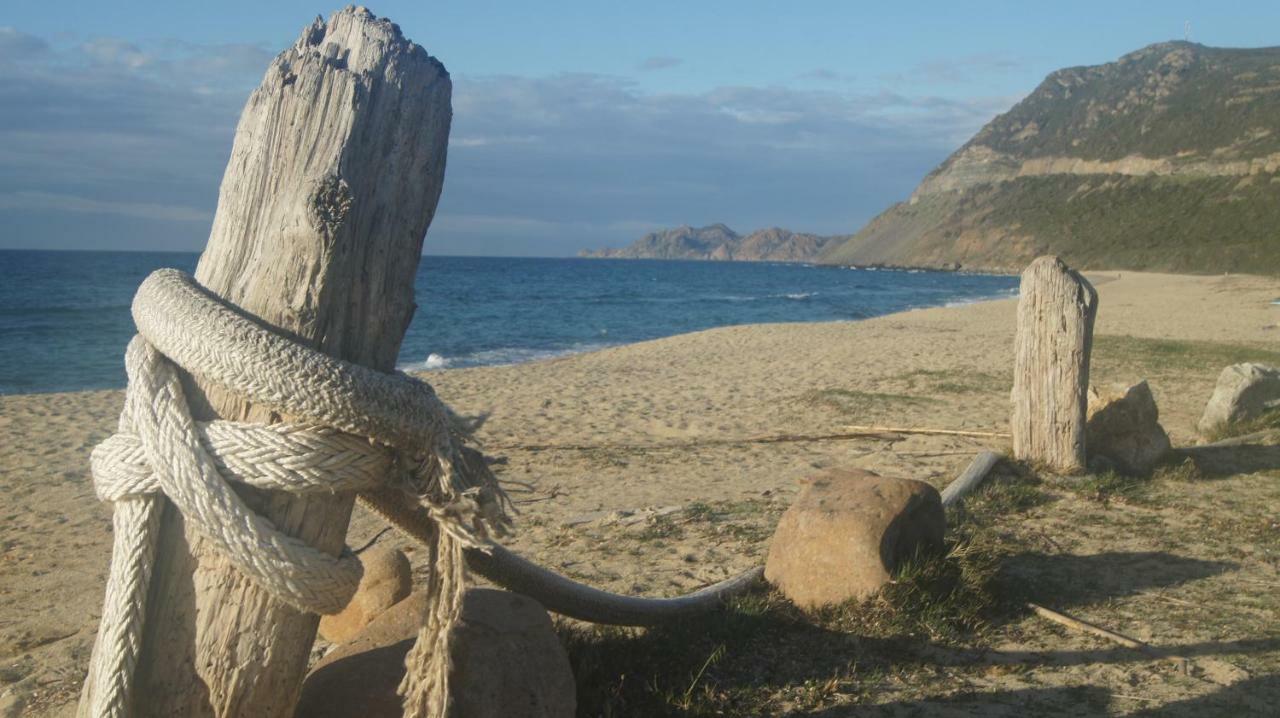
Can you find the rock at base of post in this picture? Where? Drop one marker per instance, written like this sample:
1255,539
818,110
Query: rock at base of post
1124,428
507,661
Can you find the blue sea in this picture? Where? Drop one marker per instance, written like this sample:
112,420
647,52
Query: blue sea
64,316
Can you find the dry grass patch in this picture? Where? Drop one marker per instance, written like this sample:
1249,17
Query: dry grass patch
1119,355
852,402
763,656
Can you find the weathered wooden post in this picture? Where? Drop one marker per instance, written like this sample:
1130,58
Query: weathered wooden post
1051,367
334,176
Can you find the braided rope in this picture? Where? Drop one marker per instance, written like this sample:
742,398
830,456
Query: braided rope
283,457
358,427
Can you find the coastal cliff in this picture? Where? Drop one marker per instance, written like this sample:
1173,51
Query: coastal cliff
1166,159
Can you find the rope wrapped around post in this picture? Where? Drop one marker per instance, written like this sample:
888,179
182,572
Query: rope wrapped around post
386,436
336,405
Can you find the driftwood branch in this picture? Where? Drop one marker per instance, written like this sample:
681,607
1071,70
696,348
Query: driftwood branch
577,600
878,433
930,432
971,479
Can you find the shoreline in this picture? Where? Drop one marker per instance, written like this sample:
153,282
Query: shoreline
555,354
1096,277
474,312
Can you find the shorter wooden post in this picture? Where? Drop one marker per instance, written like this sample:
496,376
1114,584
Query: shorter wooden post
1056,311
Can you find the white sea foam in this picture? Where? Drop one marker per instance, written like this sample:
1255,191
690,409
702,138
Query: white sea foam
498,357
1012,292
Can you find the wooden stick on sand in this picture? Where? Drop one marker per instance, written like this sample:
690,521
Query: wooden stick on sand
939,432
1076,624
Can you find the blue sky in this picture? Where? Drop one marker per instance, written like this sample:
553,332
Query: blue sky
576,124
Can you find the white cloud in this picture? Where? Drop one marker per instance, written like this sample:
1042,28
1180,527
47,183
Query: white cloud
112,52
48,201
660,62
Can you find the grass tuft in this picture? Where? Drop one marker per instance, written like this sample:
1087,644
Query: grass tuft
1111,486
850,401
1269,421
940,598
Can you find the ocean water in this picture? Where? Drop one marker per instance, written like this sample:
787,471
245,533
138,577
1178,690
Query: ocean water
64,316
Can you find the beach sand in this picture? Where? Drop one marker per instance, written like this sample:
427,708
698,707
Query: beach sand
1195,567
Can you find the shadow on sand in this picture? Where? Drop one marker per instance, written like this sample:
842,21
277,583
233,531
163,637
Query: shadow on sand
1254,697
1064,580
1224,461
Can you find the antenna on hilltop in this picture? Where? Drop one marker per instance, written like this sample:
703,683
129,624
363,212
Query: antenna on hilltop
1186,31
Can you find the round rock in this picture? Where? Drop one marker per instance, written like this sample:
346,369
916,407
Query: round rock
1243,392
848,531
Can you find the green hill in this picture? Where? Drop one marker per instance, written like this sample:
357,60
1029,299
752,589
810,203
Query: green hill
1166,159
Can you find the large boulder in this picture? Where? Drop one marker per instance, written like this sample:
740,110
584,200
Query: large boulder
1123,426
507,661
386,581
1244,392
848,531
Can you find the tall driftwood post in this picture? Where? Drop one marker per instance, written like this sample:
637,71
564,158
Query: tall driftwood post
1051,367
334,176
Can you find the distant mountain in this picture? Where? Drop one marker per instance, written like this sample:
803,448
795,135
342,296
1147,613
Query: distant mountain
719,243
1167,159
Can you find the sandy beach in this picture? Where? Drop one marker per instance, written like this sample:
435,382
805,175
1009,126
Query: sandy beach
1194,567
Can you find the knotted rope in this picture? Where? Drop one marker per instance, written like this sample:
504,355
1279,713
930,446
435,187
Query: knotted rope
386,435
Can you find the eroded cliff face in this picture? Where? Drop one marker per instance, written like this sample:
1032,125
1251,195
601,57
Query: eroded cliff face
1165,159
978,165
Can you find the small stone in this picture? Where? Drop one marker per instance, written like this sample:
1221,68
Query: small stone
387,580
1244,392
848,531
1123,427
507,661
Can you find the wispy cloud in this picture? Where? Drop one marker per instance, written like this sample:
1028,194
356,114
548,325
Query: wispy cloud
660,62
48,201
957,70
823,74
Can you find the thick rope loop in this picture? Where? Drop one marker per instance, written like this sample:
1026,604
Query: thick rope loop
289,568
358,429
